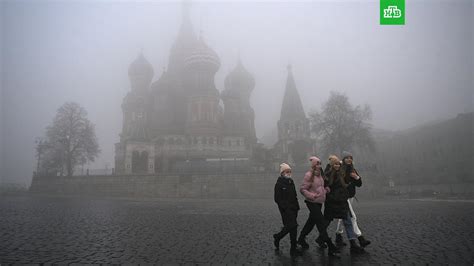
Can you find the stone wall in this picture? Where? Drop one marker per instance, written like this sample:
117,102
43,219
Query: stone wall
242,185
251,185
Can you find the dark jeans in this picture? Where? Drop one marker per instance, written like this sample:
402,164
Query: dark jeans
290,225
316,217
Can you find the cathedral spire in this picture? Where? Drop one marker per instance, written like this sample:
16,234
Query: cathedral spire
185,41
185,7
186,28
294,143
292,108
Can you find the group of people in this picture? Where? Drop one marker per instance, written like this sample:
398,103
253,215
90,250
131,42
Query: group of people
335,187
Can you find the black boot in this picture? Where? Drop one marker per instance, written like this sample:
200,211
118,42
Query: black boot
356,248
302,242
294,251
363,242
333,251
321,242
339,241
276,241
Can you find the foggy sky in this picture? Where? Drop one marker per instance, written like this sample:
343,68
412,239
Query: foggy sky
58,51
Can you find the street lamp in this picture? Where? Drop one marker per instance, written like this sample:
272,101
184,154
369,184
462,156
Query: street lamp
39,150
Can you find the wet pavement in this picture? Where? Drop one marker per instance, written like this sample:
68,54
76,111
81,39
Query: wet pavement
36,229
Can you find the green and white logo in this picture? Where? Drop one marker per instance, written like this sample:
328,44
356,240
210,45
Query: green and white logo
392,12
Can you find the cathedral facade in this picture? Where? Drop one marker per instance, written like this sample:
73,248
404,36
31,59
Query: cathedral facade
181,121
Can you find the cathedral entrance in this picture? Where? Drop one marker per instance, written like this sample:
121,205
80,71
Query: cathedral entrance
139,162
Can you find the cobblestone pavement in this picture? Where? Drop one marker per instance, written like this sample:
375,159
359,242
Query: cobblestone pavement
188,231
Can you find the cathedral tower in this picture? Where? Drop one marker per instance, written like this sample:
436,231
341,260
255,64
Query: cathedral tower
135,104
203,112
239,115
294,144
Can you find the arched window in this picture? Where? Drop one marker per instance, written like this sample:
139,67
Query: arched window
195,111
205,111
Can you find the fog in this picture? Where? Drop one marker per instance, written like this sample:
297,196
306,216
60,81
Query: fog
58,51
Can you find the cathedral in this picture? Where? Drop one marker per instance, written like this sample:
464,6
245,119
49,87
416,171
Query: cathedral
181,121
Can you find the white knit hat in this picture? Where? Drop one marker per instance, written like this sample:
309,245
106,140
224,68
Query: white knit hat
284,167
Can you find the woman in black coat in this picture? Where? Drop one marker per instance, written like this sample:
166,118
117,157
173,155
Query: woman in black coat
287,201
336,205
351,175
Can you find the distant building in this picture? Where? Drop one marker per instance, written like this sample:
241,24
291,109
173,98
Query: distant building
294,143
439,152
181,121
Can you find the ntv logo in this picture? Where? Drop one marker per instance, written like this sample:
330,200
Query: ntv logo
392,12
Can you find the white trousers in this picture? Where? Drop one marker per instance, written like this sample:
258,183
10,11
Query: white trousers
340,224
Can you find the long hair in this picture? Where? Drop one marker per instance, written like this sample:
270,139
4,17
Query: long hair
338,175
347,169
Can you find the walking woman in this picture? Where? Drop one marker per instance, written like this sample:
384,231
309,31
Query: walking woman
348,170
314,192
336,205
285,198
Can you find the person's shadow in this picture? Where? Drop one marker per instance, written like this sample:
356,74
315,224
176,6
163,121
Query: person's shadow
284,258
309,257
317,256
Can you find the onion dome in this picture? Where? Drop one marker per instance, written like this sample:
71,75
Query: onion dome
239,79
202,57
140,67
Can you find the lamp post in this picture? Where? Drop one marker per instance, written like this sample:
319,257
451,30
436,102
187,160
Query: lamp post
68,155
39,150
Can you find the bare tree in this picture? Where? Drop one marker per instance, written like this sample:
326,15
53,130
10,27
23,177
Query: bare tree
340,126
70,140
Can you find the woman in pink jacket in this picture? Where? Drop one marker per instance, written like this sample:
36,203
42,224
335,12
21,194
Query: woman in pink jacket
314,191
